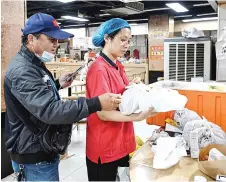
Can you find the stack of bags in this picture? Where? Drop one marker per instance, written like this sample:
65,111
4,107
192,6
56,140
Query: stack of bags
191,133
197,132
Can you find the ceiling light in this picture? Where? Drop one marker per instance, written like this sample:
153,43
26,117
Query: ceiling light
137,20
95,23
200,19
74,18
105,14
65,1
148,10
133,24
156,9
203,4
207,14
128,1
177,7
182,16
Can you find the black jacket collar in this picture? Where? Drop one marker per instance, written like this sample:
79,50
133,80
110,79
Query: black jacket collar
30,56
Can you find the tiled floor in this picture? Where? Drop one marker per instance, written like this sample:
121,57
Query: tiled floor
74,168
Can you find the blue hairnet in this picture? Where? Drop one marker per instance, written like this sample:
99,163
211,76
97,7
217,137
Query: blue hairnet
108,27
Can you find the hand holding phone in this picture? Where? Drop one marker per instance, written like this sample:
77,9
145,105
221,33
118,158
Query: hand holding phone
73,75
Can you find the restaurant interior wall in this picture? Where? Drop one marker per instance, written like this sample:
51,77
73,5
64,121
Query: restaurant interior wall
222,19
200,25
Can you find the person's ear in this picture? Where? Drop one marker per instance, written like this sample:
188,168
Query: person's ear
107,38
30,39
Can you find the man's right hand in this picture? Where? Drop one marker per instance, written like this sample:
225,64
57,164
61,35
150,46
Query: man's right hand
109,101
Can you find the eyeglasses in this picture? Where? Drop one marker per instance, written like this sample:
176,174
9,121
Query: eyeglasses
127,42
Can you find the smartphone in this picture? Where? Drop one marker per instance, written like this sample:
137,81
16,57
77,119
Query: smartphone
72,77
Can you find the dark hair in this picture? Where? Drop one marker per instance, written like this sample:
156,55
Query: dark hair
24,38
112,36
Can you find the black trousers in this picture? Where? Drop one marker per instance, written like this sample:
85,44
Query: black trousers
106,171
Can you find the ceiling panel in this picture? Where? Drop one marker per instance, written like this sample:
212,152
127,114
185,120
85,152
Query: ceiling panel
92,10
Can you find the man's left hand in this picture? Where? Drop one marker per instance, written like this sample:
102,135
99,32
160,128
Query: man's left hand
63,80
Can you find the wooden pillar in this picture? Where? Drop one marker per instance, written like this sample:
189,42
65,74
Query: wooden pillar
12,21
160,26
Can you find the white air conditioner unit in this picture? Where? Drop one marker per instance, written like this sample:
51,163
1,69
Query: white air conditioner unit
187,58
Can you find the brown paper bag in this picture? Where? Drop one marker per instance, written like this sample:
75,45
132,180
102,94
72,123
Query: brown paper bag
212,168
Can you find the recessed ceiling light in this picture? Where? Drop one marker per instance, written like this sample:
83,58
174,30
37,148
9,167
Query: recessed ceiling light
156,9
128,1
66,1
207,14
137,20
105,14
182,16
203,4
74,18
200,19
95,23
133,24
177,7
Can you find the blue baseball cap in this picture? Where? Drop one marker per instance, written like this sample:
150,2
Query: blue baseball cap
45,24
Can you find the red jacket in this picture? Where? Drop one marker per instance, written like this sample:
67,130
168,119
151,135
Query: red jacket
107,139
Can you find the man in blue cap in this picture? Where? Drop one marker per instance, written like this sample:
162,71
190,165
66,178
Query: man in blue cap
38,123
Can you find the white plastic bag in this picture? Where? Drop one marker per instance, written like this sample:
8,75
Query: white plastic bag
167,153
218,136
199,138
131,98
183,116
130,101
140,98
215,154
192,33
163,100
123,174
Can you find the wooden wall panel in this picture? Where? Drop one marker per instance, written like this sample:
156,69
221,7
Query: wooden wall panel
12,21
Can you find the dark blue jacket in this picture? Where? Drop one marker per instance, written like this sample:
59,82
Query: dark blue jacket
29,98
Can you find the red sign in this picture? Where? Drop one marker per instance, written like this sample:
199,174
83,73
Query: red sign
156,52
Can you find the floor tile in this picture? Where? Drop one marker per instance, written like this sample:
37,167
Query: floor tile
70,165
78,175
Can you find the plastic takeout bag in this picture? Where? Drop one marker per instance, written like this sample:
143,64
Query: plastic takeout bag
185,115
209,134
140,98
